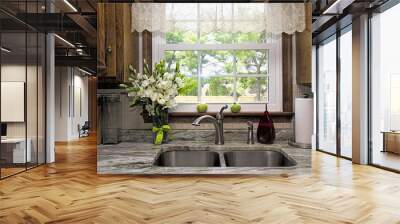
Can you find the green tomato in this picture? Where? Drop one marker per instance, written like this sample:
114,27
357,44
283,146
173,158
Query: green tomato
235,108
202,107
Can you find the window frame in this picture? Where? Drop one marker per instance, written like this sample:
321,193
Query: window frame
159,46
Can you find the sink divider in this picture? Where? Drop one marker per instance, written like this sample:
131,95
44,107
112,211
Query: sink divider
221,158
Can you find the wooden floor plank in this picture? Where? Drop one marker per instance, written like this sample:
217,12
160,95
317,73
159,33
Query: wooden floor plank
70,191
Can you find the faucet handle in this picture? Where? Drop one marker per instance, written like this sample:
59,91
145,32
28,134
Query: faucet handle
250,133
220,115
250,124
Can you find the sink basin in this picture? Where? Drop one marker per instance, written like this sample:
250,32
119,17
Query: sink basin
188,159
254,158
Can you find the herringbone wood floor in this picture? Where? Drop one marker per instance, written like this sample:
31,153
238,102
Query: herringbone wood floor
69,191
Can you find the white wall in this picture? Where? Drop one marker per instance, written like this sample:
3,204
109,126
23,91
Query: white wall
14,73
70,83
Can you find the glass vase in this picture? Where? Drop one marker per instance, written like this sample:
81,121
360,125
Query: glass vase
159,121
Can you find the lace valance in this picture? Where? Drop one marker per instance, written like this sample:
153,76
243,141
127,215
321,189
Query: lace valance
273,18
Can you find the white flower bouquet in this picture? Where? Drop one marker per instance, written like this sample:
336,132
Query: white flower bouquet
155,91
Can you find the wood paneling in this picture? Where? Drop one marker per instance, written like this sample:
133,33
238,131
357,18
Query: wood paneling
111,40
101,38
287,72
304,51
124,40
119,33
147,47
119,41
92,99
70,191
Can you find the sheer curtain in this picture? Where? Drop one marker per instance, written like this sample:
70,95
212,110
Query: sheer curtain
273,18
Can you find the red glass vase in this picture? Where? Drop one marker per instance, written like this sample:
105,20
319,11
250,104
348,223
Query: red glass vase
266,129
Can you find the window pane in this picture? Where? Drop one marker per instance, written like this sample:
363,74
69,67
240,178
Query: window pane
252,61
188,67
181,22
327,97
252,89
385,88
217,89
183,37
187,61
251,37
13,85
216,63
346,94
189,92
216,38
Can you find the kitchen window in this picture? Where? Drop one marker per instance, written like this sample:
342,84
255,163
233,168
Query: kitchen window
222,66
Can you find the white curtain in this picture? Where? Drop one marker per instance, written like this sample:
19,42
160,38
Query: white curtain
273,18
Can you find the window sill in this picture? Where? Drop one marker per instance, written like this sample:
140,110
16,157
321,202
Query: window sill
230,114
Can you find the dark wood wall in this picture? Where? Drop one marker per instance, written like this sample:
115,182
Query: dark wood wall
304,51
92,99
287,72
116,41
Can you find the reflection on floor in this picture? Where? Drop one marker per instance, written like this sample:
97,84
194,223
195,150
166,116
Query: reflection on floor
387,159
11,169
70,191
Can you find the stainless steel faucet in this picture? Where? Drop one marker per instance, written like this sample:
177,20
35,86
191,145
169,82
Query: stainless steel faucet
250,135
218,122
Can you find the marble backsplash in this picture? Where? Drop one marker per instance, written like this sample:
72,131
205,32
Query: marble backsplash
238,135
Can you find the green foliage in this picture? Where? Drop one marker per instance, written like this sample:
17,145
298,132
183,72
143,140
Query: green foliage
190,87
219,86
247,62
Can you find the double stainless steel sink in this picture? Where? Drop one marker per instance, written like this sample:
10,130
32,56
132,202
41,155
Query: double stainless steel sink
234,158
188,159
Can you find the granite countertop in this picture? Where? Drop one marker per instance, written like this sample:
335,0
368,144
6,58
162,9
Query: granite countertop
138,158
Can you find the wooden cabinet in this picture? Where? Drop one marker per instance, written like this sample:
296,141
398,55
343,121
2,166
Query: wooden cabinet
101,39
304,51
391,142
116,47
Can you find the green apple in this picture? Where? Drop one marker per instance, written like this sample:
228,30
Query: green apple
235,108
202,107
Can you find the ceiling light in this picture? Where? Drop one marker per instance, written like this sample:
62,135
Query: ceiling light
5,50
84,71
65,41
337,7
70,5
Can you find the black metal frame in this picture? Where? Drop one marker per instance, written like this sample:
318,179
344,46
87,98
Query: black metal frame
44,80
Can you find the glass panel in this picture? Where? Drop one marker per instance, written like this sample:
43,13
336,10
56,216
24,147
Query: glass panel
252,61
346,94
251,37
327,97
187,61
217,89
13,86
216,38
181,37
41,98
188,65
181,21
189,92
252,89
31,99
385,85
216,63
